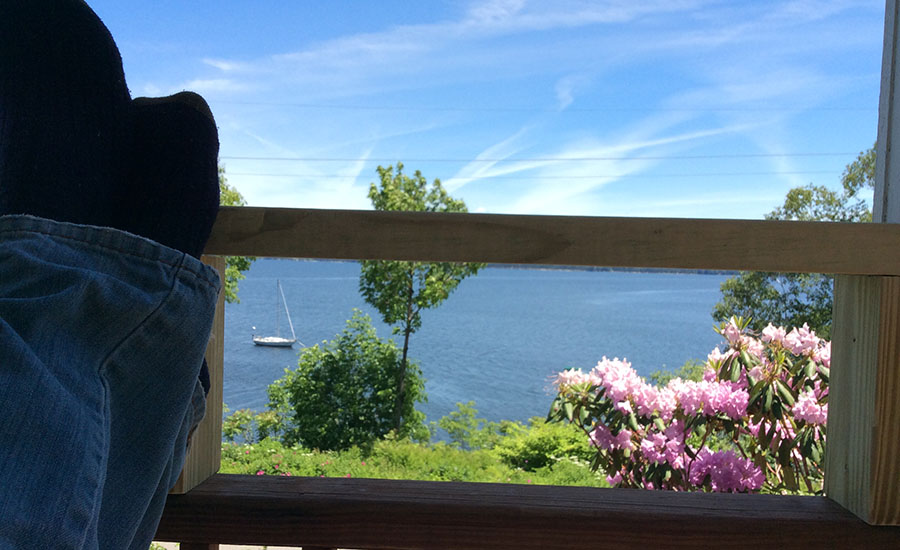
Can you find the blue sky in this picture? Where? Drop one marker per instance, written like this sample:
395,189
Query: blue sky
682,108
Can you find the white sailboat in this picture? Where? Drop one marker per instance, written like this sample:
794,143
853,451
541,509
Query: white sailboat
278,341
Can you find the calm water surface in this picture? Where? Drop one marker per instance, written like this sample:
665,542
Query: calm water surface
497,340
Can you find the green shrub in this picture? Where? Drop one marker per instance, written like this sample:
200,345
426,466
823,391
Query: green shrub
468,432
342,393
398,459
542,444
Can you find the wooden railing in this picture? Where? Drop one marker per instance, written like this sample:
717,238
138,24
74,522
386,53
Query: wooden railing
862,469
863,454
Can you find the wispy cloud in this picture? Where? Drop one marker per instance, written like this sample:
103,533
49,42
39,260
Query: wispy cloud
563,181
617,79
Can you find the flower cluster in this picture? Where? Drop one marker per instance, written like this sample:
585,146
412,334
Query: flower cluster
808,409
757,416
725,471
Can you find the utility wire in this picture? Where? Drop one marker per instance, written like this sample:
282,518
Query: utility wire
541,159
591,177
498,109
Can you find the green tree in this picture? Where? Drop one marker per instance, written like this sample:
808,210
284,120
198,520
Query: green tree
401,290
342,393
234,265
791,299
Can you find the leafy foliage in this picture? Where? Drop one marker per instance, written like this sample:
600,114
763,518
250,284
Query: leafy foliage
401,459
542,444
468,432
690,370
789,299
401,290
342,393
792,299
234,265
756,421
247,426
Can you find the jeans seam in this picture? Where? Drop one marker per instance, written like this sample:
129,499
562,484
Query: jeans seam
179,265
105,362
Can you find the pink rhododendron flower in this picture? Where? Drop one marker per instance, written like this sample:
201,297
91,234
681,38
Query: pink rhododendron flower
617,377
652,450
711,398
753,346
732,333
773,334
601,437
756,372
808,409
823,355
659,448
801,341
570,377
727,471
715,358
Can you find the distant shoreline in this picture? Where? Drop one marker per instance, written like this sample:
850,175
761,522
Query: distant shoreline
616,269
538,267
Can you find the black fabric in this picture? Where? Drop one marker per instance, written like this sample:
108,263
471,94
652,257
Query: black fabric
74,147
175,202
64,113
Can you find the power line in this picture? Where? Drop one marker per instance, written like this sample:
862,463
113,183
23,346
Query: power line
542,159
505,109
582,177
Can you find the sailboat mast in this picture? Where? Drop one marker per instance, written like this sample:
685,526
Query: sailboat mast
277,309
286,312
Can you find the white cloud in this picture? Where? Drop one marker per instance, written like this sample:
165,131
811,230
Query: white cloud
216,86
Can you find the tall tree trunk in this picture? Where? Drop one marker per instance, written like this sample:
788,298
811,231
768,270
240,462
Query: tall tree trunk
400,382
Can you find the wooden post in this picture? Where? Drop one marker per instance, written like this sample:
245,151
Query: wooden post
204,457
862,472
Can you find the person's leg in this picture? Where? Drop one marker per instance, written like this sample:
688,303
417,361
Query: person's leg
94,401
101,332
64,106
178,202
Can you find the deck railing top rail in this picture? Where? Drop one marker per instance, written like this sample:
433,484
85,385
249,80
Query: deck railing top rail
840,248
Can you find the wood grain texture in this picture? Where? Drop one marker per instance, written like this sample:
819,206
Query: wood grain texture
885,463
204,456
367,513
559,240
862,470
851,403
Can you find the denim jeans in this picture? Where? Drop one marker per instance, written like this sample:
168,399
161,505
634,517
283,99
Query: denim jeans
102,335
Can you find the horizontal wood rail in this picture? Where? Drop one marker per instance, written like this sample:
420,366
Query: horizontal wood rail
815,247
370,513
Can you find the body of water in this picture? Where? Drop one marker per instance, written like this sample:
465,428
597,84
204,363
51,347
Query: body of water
497,340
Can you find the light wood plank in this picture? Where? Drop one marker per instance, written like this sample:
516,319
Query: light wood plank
885,479
559,240
370,513
851,407
862,471
204,457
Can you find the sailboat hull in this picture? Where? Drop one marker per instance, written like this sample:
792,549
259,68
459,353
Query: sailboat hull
278,341
274,341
